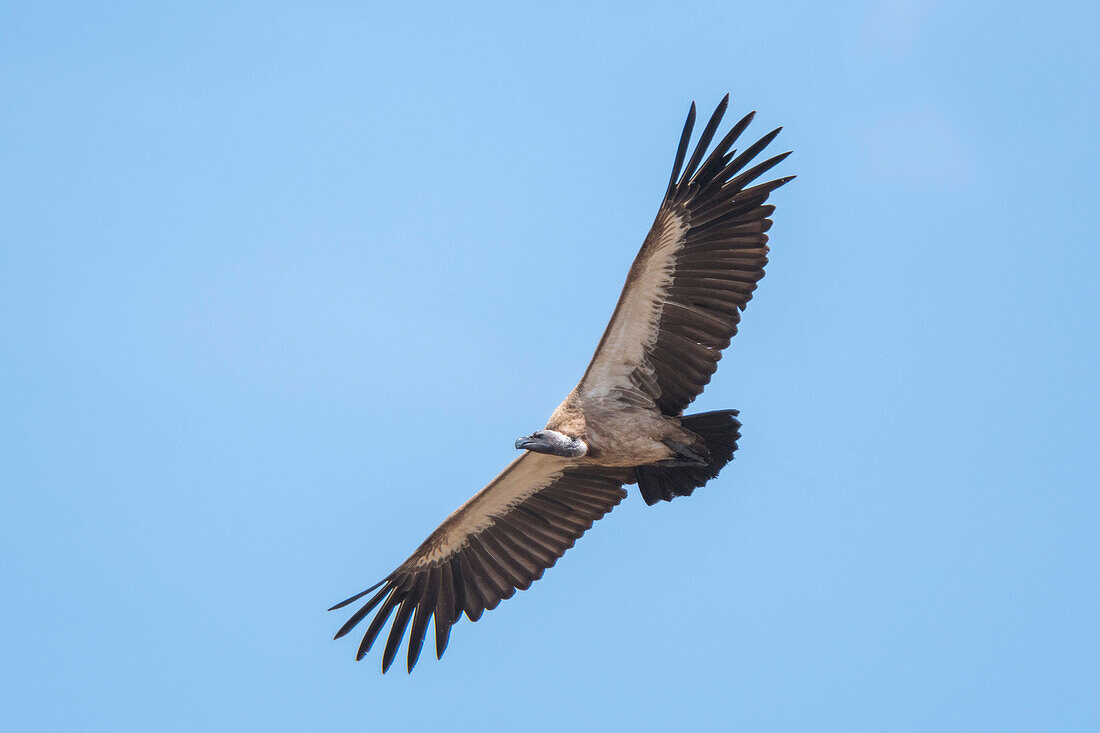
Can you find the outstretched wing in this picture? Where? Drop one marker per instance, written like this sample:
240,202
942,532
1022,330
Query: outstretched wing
694,275
499,541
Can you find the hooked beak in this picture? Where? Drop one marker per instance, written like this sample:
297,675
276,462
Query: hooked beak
530,441
553,443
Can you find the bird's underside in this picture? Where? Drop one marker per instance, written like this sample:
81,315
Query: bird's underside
624,421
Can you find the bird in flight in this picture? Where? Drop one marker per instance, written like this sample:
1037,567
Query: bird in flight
623,423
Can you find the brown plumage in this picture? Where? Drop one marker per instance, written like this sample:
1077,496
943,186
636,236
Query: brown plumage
623,423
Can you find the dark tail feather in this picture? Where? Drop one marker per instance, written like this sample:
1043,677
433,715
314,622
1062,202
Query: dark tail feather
719,431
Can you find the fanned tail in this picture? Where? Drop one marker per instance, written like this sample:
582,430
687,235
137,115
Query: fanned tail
719,431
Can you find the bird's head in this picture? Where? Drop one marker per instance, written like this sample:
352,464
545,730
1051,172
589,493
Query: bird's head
554,443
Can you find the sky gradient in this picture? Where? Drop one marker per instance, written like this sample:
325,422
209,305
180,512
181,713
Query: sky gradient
280,285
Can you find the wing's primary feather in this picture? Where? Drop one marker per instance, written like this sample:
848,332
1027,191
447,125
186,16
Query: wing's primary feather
501,540
695,273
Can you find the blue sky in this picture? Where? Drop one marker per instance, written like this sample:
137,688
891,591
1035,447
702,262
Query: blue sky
273,282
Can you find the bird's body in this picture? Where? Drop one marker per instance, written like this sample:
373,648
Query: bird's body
624,421
616,431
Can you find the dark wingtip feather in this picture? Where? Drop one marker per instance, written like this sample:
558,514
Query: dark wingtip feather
424,610
444,609
357,596
772,185
681,151
756,171
359,615
400,623
750,152
706,137
737,130
442,636
772,135
721,154
376,625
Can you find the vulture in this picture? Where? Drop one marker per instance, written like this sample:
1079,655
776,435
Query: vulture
623,423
